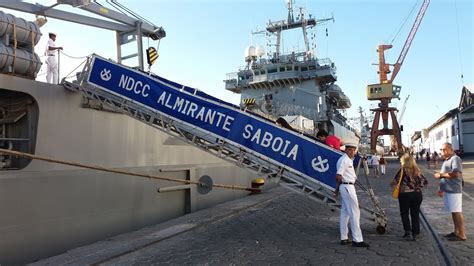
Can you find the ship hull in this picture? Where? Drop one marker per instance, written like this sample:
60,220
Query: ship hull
48,208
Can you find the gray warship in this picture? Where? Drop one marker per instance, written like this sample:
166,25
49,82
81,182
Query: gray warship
47,209
295,85
50,208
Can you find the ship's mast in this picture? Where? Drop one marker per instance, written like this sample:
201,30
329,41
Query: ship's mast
277,27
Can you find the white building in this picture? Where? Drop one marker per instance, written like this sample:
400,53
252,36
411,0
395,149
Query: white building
455,127
446,129
416,142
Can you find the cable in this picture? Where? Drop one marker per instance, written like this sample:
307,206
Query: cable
110,170
459,42
69,75
404,22
114,7
73,57
95,1
131,12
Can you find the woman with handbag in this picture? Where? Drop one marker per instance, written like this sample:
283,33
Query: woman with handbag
409,180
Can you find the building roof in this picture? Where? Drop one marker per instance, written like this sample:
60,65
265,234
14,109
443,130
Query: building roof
450,114
466,104
470,87
415,136
467,97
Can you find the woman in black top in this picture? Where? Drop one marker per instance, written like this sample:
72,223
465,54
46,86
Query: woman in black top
410,197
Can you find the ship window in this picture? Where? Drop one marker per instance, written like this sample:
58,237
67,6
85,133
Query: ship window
312,67
304,68
18,126
282,69
297,68
288,68
272,70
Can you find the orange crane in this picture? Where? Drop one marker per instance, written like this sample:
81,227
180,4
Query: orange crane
393,143
385,91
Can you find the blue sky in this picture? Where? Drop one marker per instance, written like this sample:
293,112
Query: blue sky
206,39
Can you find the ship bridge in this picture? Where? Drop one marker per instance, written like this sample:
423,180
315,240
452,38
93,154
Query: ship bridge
286,71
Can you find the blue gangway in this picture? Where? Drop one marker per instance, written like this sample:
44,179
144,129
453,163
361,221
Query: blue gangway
243,138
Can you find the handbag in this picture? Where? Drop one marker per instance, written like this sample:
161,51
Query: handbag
396,189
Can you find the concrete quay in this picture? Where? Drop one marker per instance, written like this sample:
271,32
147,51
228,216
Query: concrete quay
283,227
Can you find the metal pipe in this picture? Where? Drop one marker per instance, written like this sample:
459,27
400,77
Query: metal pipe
173,188
140,46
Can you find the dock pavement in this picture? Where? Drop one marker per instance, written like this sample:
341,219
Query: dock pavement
283,227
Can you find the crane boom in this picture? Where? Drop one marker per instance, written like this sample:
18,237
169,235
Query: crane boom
385,91
409,40
404,107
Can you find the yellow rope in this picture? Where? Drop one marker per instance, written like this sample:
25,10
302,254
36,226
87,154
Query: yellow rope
104,169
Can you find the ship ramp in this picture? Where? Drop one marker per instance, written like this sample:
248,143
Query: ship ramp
223,129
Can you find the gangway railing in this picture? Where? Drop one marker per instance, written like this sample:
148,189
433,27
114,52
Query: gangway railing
242,138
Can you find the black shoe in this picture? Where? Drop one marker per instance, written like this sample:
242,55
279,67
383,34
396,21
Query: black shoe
360,244
346,242
452,234
455,238
407,235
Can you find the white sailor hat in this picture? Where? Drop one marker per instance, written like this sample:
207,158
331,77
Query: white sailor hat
351,144
53,33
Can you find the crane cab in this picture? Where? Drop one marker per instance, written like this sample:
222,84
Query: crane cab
383,91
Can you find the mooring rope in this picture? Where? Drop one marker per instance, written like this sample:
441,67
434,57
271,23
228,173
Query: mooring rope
105,169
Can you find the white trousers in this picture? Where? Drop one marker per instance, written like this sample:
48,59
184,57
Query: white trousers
376,169
382,169
350,212
52,70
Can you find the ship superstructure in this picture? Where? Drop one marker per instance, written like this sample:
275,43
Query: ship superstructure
297,83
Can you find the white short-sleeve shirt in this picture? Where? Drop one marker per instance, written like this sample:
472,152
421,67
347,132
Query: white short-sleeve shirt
375,160
345,168
50,44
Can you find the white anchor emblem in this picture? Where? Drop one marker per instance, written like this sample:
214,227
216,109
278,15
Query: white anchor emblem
105,74
320,165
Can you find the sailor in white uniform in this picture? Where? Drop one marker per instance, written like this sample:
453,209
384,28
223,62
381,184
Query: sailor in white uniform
345,180
51,62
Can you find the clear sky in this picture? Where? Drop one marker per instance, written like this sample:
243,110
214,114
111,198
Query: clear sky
206,39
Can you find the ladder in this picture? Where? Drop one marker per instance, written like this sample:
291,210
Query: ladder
308,168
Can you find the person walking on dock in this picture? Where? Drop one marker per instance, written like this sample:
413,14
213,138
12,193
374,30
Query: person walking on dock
435,158
383,164
410,196
345,180
375,164
428,159
451,181
52,71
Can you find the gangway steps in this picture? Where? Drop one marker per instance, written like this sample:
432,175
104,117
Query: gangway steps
217,146
204,140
